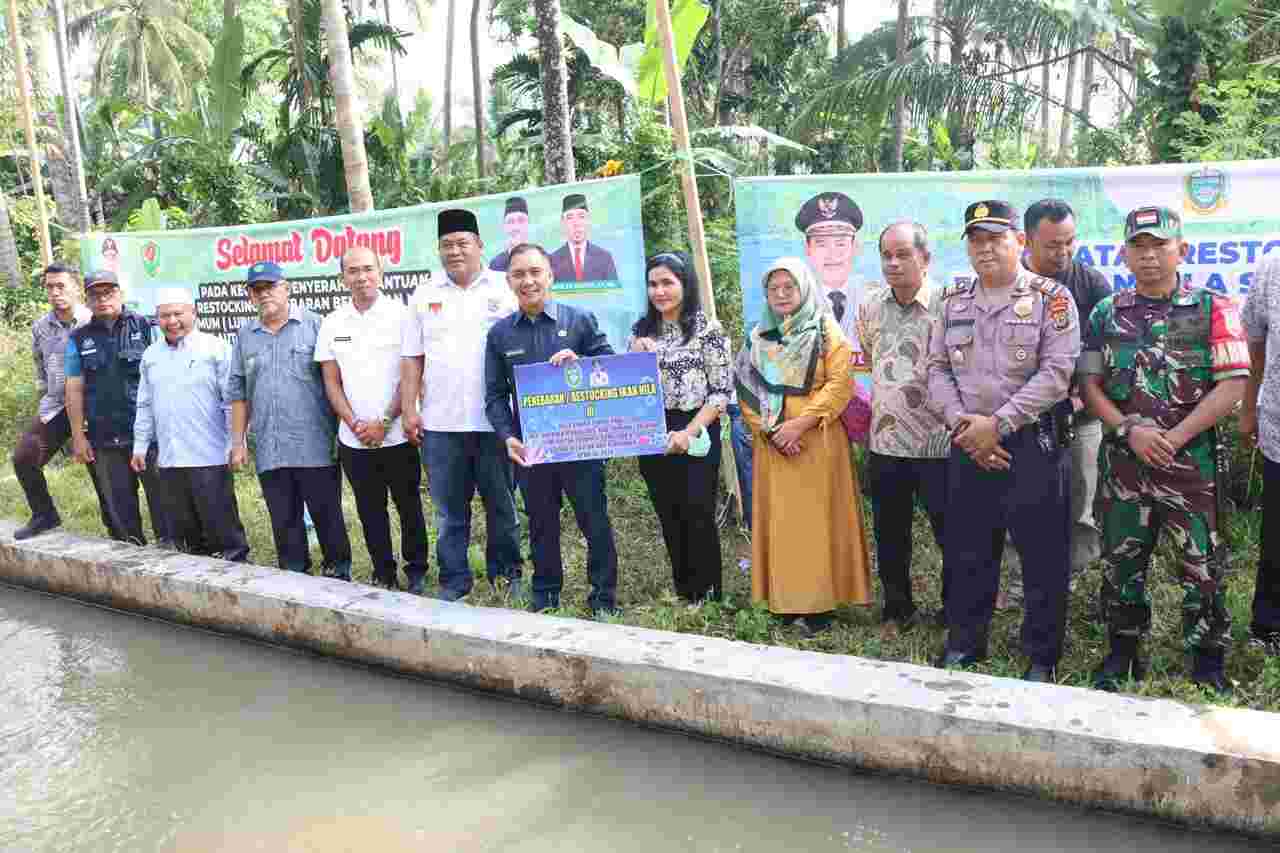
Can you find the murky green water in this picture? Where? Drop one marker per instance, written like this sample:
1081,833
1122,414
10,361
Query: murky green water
123,734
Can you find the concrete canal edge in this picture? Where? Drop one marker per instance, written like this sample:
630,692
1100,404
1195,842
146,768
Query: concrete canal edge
1217,767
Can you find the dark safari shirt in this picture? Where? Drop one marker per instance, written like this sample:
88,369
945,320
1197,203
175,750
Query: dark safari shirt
516,339
109,358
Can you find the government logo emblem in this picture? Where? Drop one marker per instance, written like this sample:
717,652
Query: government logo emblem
1205,190
151,257
573,374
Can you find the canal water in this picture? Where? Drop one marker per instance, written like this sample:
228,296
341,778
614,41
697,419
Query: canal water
119,733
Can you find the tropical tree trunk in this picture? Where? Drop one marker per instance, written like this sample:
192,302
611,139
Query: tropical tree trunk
1046,79
10,270
451,27
1086,85
557,150
298,47
395,68
477,85
900,107
1064,133
842,40
229,10
937,31
78,217
347,108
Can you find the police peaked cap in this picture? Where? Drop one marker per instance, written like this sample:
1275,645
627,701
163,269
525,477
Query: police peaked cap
826,208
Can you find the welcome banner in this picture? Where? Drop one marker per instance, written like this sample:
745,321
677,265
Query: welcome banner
599,218
1230,214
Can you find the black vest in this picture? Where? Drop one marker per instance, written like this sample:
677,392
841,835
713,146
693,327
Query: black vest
110,364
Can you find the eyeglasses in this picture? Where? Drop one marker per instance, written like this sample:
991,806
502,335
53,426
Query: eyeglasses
782,290
100,293
451,245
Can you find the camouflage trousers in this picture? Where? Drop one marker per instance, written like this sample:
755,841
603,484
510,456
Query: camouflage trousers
1134,503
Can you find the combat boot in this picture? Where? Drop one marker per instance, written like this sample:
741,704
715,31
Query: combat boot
1208,669
1121,664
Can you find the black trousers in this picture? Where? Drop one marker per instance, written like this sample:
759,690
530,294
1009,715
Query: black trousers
683,491
285,490
895,484
203,513
583,483
373,473
36,446
117,487
1266,595
1031,501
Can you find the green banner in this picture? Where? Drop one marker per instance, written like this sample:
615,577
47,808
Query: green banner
606,276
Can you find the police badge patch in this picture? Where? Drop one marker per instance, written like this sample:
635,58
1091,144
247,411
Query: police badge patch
1060,311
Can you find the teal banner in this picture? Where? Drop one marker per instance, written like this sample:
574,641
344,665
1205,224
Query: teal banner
591,229
1229,213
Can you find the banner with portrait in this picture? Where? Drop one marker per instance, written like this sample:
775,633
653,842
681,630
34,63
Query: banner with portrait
1229,215
592,230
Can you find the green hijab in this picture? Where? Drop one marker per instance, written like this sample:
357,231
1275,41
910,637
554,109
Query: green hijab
783,352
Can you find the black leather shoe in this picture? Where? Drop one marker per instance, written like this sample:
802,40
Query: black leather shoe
38,524
953,659
1038,673
1209,670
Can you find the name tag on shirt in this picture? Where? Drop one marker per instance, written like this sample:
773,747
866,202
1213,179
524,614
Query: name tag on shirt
513,353
344,339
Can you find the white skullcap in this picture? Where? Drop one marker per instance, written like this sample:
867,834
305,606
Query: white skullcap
174,296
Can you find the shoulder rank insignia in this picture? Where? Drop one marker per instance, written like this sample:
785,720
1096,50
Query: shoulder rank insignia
959,287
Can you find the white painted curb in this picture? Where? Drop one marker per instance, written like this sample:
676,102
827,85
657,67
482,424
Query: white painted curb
1196,765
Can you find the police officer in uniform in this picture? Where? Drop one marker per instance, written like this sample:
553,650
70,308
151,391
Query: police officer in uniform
104,366
1162,365
1001,356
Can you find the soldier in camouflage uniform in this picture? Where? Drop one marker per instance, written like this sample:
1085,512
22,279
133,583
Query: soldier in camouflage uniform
1161,365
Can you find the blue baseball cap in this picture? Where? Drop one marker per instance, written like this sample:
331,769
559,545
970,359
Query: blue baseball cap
264,271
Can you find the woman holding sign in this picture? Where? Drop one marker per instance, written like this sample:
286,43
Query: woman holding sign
809,549
693,361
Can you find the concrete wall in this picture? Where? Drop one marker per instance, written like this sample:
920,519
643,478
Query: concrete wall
1199,765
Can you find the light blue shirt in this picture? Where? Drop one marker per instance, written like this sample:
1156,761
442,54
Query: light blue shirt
183,401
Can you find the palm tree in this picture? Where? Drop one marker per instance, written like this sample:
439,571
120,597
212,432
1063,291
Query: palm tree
149,42
477,85
557,149
449,38
71,154
347,108
900,105
9,266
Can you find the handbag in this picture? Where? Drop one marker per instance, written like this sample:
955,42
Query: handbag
856,416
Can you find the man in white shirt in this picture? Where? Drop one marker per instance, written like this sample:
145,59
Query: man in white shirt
442,369
358,349
185,407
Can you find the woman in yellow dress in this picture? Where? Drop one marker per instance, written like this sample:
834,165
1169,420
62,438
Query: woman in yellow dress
808,548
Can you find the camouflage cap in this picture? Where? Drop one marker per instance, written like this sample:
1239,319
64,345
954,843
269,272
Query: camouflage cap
1159,222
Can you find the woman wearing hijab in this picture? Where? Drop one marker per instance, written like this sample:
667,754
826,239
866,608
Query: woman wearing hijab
693,363
809,549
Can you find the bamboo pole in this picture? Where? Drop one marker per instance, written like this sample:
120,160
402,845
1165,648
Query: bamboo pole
693,207
688,178
24,101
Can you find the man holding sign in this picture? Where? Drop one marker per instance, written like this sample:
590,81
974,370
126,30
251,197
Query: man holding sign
545,331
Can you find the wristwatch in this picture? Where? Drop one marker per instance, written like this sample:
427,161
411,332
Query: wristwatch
1129,422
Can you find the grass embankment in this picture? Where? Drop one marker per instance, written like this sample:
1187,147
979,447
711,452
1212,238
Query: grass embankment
645,593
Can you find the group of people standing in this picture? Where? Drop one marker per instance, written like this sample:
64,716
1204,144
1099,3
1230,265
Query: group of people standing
989,404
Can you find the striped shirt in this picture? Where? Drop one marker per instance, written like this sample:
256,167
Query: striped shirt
49,349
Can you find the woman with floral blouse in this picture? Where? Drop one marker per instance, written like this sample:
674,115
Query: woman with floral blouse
693,363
